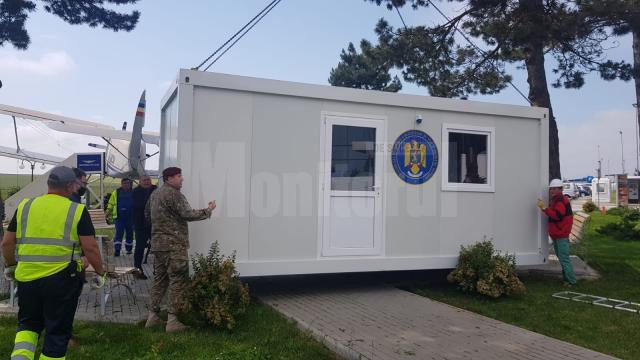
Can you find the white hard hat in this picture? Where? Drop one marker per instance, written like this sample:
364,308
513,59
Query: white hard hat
555,183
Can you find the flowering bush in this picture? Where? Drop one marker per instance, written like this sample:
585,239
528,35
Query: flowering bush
484,270
215,291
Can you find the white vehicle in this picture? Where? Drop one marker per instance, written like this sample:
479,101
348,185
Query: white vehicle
571,190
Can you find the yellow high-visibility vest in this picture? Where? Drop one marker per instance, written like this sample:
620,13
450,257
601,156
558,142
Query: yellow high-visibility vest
47,236
112,205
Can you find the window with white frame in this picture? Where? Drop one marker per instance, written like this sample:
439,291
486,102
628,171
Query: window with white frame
468,153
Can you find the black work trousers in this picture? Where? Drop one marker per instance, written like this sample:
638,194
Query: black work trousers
50,304
143,234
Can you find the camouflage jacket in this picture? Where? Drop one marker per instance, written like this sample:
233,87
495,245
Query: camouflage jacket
168,212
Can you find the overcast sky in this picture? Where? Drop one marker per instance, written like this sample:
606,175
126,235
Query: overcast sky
98,75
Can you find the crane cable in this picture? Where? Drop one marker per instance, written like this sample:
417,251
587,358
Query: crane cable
248,25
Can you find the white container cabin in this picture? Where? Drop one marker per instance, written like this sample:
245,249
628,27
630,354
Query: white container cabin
601,190
321,179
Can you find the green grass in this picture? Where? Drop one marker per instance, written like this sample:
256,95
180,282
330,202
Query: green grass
8,181
261,334
605,330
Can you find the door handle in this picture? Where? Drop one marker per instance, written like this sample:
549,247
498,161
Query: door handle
373,188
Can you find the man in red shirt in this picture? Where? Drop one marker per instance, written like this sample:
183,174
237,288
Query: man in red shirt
560,222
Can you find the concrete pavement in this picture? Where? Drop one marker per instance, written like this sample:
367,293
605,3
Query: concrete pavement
383,322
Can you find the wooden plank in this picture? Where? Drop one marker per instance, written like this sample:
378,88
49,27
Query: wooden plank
99,219
583,216
583,219
577,232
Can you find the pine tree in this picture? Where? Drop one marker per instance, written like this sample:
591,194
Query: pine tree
367,70
14,14
622,17
445,59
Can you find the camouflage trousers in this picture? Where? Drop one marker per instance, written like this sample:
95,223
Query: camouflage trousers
170,275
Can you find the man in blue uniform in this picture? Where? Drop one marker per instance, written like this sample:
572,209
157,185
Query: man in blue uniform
119,210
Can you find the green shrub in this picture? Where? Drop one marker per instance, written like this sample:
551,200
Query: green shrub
627,229
589,206
484,270
617,211
631,215
215,292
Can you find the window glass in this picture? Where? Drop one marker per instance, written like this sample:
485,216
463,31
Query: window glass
468,160
352,158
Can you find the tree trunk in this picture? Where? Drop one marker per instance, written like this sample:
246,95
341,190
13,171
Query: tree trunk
537,79
636,78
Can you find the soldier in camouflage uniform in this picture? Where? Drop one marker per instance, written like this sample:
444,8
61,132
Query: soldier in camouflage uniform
169,212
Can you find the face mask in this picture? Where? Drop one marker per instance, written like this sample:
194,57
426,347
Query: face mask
82,191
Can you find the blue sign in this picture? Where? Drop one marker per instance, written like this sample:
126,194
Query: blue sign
89,163
414,157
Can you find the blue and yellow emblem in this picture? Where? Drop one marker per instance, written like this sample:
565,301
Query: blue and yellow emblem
414,157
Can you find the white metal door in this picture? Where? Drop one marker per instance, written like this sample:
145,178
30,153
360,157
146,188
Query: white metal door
352,186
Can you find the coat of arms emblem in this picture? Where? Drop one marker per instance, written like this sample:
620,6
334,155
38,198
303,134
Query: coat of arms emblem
414,157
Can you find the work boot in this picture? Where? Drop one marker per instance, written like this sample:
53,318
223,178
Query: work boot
153,320
174,325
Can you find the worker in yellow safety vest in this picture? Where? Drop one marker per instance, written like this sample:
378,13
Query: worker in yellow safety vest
43,252
120,213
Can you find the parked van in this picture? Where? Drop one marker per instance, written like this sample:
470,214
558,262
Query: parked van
571,190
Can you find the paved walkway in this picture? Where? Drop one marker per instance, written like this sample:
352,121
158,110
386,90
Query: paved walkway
380,322
553,268
121,306
576,204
